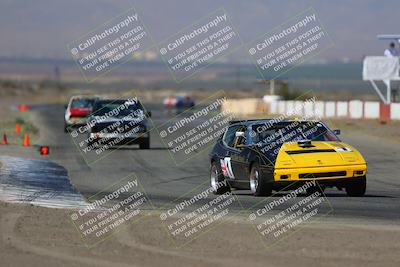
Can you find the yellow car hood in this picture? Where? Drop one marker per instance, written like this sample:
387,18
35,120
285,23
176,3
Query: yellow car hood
318,154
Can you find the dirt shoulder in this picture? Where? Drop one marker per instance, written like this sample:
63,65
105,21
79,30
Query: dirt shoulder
375,128
39,236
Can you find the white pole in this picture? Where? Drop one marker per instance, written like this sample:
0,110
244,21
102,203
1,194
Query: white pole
388,91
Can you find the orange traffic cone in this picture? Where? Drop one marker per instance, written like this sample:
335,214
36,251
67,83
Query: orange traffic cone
17,128
26,140
4,141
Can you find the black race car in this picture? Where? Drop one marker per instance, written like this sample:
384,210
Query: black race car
118,122
267,155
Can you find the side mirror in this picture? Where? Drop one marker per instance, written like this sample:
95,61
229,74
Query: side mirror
336,132
65,106
148,114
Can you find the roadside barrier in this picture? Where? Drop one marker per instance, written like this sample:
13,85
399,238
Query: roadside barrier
246,106
354,109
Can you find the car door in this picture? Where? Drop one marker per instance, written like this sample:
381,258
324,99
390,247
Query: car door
227,152
240,155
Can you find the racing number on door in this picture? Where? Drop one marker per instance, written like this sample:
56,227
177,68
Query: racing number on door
226,167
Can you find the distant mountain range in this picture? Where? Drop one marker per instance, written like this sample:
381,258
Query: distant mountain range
331,77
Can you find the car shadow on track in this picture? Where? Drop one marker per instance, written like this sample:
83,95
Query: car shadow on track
343,194
328,195
137,148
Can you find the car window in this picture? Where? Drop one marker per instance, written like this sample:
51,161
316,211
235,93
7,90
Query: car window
230,136
230,139
240,140
81,103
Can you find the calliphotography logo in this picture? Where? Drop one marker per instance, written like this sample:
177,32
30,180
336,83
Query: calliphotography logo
199,45
110,45
114,123
269,136
122,203
290,44
197,213
285,213
193,131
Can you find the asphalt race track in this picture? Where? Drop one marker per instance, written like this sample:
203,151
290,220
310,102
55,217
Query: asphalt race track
164,182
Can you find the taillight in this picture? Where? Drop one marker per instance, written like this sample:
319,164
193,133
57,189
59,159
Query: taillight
78,112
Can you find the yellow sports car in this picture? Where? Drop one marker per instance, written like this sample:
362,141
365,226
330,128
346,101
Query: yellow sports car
267,155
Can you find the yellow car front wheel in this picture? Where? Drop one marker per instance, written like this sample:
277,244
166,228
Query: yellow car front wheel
357,187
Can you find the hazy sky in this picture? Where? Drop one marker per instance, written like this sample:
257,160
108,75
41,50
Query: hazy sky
42,28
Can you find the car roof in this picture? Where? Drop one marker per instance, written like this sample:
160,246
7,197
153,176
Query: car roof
84,97
251,122
117,101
